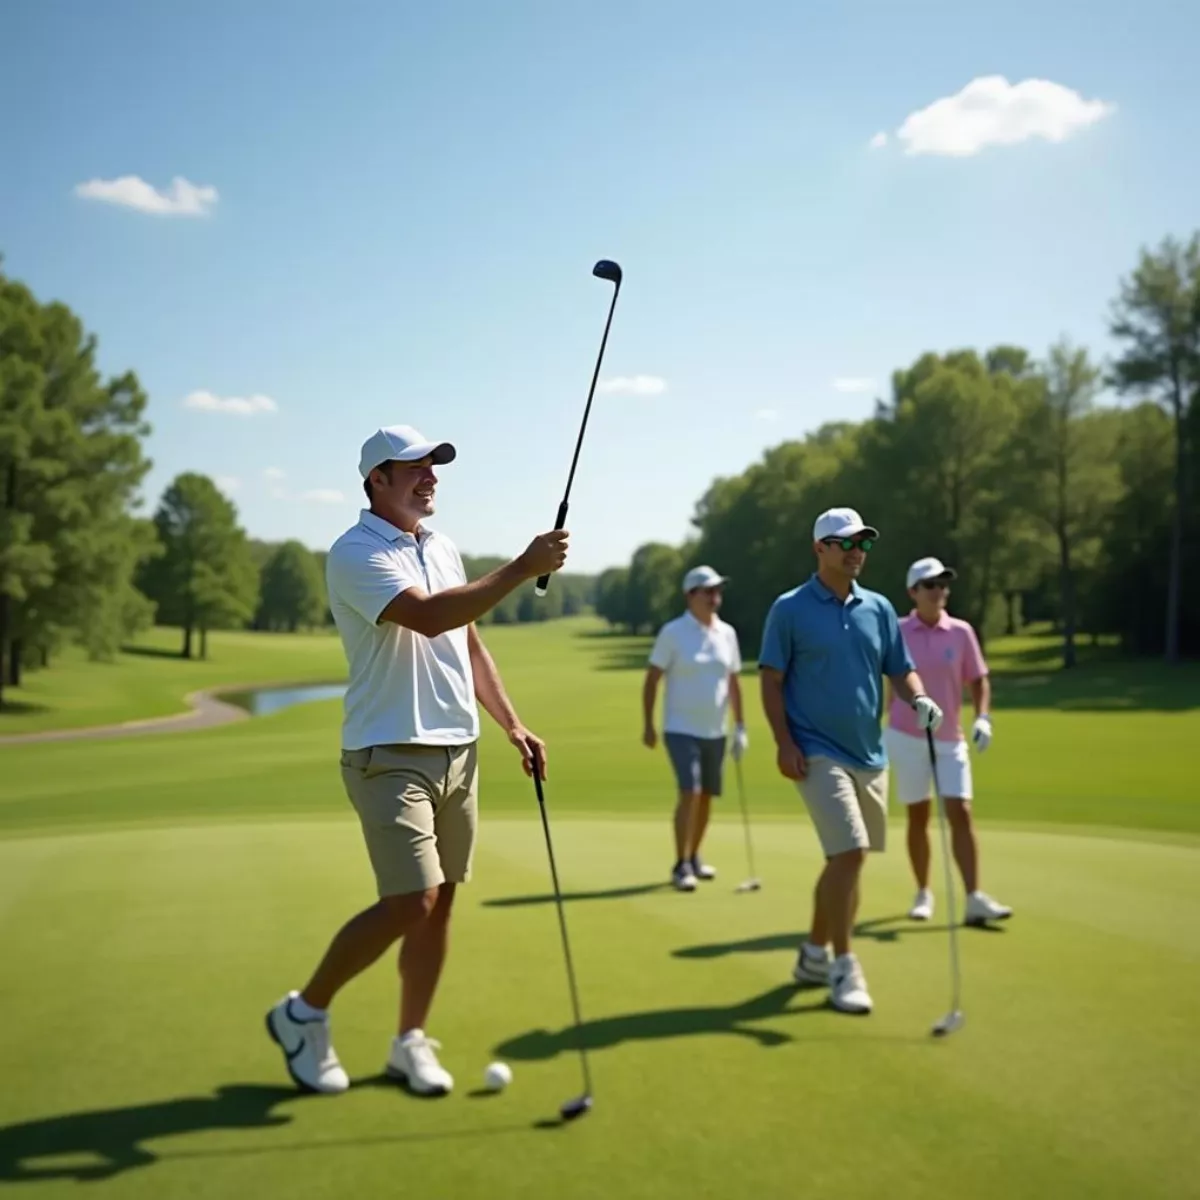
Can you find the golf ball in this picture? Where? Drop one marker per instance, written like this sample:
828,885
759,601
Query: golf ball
498,1076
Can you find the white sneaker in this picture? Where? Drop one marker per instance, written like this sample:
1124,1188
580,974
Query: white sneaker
683,878
307,1051
812,965
702,870
848,985
922,908
981,909
413,1061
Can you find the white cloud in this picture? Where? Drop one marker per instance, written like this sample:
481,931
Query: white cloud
879,140
853,384
766,414
228,483
633,385
181,199
990,111
324,496
274,473
237,405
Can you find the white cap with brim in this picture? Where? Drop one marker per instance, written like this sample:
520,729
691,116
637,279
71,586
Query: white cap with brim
929,568
401,443
702,577
840,523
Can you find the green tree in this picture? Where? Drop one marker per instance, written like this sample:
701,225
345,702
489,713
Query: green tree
291,592
611,589
1157,318
652,590
205,577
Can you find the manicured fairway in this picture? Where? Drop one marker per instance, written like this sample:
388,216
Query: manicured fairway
157,894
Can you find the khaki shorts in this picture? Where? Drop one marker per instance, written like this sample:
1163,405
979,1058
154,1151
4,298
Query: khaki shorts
848,805
418,809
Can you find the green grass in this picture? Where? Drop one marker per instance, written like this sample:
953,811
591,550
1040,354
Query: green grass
157,893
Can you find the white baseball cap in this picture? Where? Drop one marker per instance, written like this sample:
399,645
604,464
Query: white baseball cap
929,568
840,523
702,577
400,443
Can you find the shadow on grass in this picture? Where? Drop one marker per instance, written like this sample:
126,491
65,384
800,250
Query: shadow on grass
880,929
657,1024
15,708
115,1136
154,652
638,889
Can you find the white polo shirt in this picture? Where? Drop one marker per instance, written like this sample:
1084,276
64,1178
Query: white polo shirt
696,661
403,687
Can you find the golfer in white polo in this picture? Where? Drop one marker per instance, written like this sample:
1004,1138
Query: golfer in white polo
948,658
417,672
698,654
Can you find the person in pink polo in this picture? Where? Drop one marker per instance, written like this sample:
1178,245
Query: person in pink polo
948,659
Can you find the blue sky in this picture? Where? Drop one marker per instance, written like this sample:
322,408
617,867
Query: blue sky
399,206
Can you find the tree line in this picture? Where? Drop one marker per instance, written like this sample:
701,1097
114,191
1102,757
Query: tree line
1052,504
77,562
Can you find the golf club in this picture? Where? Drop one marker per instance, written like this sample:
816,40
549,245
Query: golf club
954,1018
753,883
604,269
581,1104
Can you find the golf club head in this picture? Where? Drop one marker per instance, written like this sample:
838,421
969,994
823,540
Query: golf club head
575,1108
607,269
750,885
948,1024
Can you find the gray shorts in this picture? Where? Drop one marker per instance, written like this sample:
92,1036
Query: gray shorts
697,762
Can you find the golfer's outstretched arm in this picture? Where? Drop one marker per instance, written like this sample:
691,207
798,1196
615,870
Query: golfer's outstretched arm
489,687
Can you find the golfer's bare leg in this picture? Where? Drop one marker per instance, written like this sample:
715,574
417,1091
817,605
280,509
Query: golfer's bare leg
362,940
839,883
962,840
684,818
701,810
421,959
918,841
818,935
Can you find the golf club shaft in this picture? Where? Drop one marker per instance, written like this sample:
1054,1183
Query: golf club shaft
737,763
947,861
562,925
560,521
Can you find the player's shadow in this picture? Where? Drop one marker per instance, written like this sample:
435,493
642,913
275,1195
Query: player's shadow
115,1136
880,929
602,1033
637,889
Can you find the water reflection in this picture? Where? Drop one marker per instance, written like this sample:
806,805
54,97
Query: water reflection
262,702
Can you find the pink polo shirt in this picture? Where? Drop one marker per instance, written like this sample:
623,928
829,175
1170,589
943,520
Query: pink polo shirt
947,658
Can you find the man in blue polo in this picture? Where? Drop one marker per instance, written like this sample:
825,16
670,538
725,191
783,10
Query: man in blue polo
826,647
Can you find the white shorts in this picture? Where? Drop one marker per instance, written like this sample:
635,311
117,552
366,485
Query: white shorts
908,757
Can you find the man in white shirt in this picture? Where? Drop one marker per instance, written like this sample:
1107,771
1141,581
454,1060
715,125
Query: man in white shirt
417,671
698,654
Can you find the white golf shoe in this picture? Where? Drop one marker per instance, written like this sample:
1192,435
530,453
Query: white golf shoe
414,1062
308,1053
848,986
812,965
683,878
922,908
702,870
981,909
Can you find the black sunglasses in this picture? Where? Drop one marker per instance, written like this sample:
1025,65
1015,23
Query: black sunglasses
931,585
849,543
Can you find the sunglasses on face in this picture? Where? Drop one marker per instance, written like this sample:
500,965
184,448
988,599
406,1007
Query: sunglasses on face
849,543
934,585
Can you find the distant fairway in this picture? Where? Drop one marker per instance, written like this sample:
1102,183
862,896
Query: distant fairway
158,893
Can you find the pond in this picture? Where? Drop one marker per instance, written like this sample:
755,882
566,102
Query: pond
261,702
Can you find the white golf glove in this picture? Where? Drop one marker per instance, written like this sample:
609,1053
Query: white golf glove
741,739
981,733
929,716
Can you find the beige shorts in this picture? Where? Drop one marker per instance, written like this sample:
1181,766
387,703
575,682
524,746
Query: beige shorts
848,805
418,809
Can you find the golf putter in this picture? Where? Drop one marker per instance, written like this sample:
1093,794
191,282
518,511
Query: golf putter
954,1018
753,884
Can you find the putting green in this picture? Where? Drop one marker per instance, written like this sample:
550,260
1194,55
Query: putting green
139,963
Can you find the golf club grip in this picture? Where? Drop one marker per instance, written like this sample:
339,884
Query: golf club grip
544,580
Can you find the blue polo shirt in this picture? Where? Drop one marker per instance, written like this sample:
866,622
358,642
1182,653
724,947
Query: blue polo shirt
833,656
